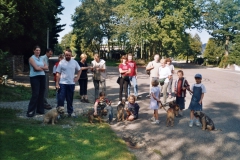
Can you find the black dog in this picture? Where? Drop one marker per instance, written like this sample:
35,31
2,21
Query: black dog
206,122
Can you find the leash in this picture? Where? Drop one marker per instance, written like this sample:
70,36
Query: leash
161,106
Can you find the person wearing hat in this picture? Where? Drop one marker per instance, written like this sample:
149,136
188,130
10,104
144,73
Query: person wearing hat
197,90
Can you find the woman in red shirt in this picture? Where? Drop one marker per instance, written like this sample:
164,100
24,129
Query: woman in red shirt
124,70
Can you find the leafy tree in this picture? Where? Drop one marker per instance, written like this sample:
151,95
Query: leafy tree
25,24
234,56
222,19
212,51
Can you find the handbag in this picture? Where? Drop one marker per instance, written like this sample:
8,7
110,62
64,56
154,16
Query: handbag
161,81
118,80
149,71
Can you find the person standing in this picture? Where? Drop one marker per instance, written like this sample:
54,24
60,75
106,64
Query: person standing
171,67
83,80
153,66
164,76
132,75
60,57
124,70
45,59
180,87
197,90
37,81
65,80
154,103
99,74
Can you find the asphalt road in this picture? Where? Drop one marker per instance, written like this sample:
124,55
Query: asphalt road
221,103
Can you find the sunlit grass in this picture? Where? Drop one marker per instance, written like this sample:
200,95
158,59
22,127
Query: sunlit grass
24,139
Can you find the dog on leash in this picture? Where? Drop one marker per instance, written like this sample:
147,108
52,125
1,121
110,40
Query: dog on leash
175,107
52,115
206,122
120,111
100,114
170,117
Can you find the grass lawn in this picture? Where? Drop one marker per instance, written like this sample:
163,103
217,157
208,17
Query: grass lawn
26,139
18,93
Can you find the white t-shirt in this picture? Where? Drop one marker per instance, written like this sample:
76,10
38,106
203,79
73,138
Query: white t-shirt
67,70
164,73
199,85
154,71
171,67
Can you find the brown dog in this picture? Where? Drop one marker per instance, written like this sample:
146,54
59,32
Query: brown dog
51,116
99,115
175,107
120,111
170,117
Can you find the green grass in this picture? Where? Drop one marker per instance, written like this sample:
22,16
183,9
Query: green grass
18,93
26,139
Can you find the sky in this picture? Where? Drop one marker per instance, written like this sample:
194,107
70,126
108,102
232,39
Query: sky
69,10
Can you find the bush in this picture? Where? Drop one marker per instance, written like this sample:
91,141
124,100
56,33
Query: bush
5,61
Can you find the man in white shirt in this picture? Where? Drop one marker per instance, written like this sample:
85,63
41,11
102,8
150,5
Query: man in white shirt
45,59
65,80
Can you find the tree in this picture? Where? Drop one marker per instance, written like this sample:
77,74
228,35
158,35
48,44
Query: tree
222,19
234,56
25,24
212,51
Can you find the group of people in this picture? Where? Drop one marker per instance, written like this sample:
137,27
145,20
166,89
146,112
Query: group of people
161,73
64,76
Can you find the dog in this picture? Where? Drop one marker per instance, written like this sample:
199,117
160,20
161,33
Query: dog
170,117
99,115
52,115
206,122
175,107
120,111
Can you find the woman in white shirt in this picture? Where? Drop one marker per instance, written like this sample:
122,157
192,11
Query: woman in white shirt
164,76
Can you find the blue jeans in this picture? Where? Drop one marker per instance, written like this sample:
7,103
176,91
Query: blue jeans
135,86
109,112
96,84
66,91
37,100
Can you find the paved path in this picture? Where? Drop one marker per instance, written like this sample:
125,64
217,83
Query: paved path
221,103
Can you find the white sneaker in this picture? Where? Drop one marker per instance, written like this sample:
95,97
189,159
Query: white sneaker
155,122
152,119
197,123
191,123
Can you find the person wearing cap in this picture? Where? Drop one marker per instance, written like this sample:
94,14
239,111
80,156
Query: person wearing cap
197,90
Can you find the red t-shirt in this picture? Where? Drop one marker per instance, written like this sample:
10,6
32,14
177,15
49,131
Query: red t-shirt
124,68
133,67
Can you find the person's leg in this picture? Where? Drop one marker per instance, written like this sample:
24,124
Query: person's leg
170,88
109,113
103,86
61,94
96,86
125,85
85,84
129,85
69,97
191,118
121,88
81,89
135,86
164,88
35,86
46,89
40,102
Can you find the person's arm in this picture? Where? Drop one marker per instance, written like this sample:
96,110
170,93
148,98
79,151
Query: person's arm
154,97
54,70
95,108
57,80
34,65
78,75
202,95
